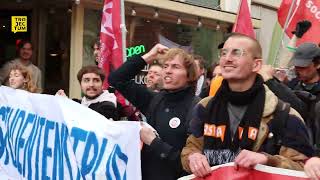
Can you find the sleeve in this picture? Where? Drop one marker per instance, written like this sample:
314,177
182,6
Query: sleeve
199,114
121,79
193,145
286,94
288,158
317,128
106,108
296,146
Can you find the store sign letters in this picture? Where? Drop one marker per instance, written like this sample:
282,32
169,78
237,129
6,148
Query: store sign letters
19,24
136,50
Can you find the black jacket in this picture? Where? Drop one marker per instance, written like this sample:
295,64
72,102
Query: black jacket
310,95
160,160
105,108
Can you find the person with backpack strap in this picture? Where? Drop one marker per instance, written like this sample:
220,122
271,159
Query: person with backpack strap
167,111
239,123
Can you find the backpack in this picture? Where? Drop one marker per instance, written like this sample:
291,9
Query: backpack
280,118
312,114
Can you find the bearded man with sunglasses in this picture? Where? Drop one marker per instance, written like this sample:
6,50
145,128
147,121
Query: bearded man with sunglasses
238,123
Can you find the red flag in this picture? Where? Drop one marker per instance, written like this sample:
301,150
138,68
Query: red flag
302,10
243,24
228,172
110,38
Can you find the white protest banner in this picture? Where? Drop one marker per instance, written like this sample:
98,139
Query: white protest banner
48,137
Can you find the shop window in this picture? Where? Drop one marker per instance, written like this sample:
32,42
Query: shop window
147,32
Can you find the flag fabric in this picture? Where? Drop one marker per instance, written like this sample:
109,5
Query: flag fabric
110,38
49,137
243,24
302,10
228,172
276,36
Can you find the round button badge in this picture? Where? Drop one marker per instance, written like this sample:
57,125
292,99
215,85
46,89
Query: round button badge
174,122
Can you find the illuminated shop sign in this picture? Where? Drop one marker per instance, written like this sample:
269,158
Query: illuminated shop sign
136,50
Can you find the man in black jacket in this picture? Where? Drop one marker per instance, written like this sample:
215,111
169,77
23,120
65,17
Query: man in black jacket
306,61
166,111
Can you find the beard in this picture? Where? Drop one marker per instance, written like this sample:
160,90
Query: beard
93,97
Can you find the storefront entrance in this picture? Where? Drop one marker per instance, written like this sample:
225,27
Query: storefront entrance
48,28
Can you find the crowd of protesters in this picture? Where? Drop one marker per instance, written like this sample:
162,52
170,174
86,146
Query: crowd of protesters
240,111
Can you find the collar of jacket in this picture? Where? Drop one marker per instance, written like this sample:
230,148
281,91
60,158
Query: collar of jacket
269,107
178,94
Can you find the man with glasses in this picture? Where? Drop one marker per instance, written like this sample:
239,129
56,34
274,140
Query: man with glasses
240,123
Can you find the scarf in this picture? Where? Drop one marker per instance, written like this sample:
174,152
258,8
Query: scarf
105,96
219,146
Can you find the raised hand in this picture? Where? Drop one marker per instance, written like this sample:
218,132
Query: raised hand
154,52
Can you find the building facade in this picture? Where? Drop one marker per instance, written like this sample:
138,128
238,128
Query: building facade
63,31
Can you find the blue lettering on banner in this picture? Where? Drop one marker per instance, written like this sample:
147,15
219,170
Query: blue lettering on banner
40,148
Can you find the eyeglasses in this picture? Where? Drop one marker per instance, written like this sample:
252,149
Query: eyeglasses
234,53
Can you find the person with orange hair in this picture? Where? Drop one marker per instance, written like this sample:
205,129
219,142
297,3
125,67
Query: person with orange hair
21,78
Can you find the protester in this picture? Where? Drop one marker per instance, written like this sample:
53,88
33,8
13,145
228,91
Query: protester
244,122
281,90
201,83
306,61
215,82
96,51
125,111
20,78
167,111
24,59
154,77
91,79
312,166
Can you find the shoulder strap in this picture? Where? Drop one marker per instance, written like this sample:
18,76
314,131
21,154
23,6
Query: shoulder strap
280,117
279,121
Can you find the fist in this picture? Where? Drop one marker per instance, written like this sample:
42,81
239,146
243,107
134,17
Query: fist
61,93
147,135
154,52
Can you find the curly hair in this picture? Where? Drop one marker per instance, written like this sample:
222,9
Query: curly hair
29,85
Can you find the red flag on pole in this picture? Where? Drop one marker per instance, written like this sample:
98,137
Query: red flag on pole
302,10
110,38
243,24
